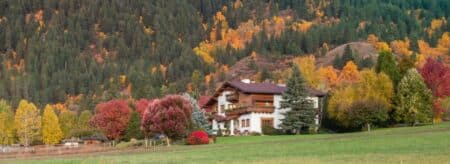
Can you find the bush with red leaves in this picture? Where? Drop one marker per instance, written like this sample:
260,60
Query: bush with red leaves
170,116
112,117
142,105
198,137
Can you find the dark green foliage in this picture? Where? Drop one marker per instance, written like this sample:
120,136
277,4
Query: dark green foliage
340,61
367,113
386,63
68,57
302,112
406,63
269,130
133,128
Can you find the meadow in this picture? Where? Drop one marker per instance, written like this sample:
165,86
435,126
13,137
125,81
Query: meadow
424,144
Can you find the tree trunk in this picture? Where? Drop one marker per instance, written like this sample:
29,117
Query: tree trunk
146,141
297,131
368,127
168,141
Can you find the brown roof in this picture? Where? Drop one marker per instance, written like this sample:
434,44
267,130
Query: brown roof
268,88
264,88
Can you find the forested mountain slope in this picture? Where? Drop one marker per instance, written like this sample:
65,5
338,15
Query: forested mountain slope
86,51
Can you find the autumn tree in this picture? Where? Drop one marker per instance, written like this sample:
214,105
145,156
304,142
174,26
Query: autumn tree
413,99
6,124
328,78
67,121
369,87
405,63
367,112
436,76
112,117
51,131
28,122
170,116
349,73
142,105
386,63
82,126
83,122
307,68
295,98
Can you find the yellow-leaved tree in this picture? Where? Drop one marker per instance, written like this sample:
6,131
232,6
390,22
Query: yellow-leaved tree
349,73
308,69
51,130
6,123
28,122
370,86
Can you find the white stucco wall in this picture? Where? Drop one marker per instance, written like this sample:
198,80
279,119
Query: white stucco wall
255,118
222,100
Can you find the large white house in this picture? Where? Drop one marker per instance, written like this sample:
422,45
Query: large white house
242,107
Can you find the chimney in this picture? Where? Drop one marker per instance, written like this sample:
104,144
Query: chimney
247,81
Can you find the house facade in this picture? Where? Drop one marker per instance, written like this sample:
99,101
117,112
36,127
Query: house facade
242,107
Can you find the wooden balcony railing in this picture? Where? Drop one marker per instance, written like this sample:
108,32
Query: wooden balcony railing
243,109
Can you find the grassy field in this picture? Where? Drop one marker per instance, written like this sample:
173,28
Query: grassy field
426,144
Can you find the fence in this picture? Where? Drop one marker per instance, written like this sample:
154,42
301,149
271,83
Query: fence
44,150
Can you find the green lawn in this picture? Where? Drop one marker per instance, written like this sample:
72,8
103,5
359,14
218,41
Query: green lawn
426,144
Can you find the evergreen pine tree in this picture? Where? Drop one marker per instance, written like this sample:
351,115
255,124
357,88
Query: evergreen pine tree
198,117
133,128
386,63
301,112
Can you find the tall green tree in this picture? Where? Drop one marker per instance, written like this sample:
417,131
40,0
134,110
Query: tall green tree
413,99
133,129
67,120
295,98
198,117
386,63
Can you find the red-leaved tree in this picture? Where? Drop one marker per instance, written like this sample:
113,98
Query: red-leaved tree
142,105
170,116
112,117
437,77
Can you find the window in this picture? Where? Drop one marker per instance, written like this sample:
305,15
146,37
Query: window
266,122
221,108
245,123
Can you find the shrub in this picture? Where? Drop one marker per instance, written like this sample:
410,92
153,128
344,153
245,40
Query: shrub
255,134
269,130
132,143
197,138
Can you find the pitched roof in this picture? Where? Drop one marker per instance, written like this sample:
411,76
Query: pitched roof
262,88
267,88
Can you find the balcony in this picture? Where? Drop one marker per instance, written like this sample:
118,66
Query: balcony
243,109
233,97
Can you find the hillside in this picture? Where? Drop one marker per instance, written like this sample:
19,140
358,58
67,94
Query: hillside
362,49
83,52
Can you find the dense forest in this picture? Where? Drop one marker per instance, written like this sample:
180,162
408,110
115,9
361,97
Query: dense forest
86,51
